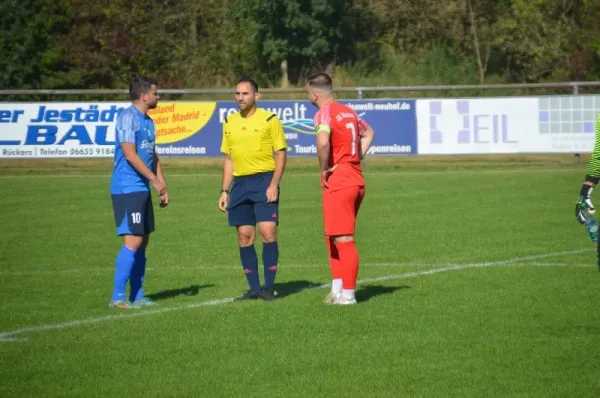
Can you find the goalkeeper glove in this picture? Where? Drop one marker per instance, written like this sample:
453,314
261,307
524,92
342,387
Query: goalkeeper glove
584,205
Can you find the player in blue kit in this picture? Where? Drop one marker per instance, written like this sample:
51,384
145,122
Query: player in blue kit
136,167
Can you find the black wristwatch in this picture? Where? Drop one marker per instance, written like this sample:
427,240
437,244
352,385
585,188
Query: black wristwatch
225,190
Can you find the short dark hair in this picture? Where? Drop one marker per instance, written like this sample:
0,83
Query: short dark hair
140,85
321,81
249,81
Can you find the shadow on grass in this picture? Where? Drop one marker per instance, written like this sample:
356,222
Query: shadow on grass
285,289
186,291
365,293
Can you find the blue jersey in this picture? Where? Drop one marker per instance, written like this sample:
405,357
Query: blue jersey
136,128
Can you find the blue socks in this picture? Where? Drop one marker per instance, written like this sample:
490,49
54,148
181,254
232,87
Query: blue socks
123,267
250,264
129,267
137,275
270,256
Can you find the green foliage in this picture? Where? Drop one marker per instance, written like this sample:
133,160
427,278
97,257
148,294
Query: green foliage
186,43
305,34
27,52
437,66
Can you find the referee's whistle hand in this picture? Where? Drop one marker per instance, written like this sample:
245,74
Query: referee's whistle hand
223,202
272,193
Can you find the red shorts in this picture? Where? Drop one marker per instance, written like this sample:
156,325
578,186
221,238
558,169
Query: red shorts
340,209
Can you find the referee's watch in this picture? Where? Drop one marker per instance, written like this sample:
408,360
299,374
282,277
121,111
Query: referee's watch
225,190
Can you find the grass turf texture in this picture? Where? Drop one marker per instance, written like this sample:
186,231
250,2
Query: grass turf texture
478,282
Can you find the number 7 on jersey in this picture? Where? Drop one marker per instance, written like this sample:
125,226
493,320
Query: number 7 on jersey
350,126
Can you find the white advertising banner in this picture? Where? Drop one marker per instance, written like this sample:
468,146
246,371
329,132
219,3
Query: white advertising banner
59,130
475,126
547,124
566,125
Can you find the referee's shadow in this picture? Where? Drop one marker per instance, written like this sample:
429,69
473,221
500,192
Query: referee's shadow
191,290
285,289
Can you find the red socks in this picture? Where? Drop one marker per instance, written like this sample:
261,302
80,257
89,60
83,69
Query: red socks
334,260
343,260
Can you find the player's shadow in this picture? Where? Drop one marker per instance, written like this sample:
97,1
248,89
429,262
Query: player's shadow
285,289
365,293
186,291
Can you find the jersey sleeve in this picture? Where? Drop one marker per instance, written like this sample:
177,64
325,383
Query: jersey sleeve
277,134
362,125
127,126
322,121
593,168
224,142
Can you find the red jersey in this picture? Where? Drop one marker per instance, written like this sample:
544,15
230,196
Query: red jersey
345,128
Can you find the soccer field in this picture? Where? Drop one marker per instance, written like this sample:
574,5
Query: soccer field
475,280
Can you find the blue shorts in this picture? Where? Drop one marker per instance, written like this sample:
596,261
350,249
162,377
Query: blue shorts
248,201
134,214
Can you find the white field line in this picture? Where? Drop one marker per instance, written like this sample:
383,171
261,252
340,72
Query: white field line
200,268
591,264
513,262
14,334
525,169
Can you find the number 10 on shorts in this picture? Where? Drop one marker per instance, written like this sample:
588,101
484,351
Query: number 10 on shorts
136,218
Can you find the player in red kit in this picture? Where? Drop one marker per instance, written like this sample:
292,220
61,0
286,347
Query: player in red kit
343,140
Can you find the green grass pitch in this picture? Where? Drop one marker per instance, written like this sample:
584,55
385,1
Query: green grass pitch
476,280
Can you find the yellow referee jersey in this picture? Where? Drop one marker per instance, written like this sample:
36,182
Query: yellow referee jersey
251,141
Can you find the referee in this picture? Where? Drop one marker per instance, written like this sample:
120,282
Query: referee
255,151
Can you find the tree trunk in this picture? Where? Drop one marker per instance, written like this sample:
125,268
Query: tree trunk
284,74
473,24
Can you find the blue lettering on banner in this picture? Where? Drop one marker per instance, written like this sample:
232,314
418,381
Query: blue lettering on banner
49,134
81,125
8,116
79,115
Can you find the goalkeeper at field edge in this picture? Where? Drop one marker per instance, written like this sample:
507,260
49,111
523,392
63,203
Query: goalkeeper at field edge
584,207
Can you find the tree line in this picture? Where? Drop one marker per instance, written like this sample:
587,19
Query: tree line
210,43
